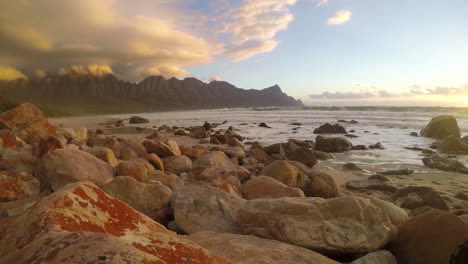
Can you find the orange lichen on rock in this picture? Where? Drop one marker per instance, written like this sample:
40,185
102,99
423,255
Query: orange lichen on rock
10,186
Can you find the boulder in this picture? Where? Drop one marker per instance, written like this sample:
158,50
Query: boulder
45,146
321,184
27,122
320,155
15,186
81,134
334,226
282,171
234,142
263,187
441,127
411,201
82,224
429,238
406,171
332,144
453,145
9,140
145,198
134,168
377,145
378,257
351,167
205,208
245,249
444,164
397,215
303,155
262,124
164,149
178,164
371,185
155,160
138,120
330,129
193,152
216,163
104,154
19,161
234,152
172,181
430,196
214,140
64,166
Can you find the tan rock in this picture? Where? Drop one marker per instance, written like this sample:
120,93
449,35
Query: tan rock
259,154
303,155
282,171
234,142
378,257
178,164
263,187
156,161
234,152
82,224
163,149
27,122
133,168
193,152
205,208
253,250
429,238
145,198
172,181
104,154
64,166
321,184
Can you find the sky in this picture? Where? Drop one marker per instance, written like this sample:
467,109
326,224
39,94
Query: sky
324,52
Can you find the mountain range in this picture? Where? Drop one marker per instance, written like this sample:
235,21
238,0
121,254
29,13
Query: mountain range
78,94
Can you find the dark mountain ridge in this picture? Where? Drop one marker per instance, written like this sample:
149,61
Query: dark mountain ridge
90,94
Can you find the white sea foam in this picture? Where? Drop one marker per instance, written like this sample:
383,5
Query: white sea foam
391,127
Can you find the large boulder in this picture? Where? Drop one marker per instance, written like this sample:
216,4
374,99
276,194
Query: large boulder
178,164
303,155
441,127
104,154
82,224
332,144
330,129
138,120
27,122
163,149
64,166
137,169
321,184
245,249
216,163
329,226
145,198
170,180
444,164
378,257
205,208
263,187
453,145
429,238
282,171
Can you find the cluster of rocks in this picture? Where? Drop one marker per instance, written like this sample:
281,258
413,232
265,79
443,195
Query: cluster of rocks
75,196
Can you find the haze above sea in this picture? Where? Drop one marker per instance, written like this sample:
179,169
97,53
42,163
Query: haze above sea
390,126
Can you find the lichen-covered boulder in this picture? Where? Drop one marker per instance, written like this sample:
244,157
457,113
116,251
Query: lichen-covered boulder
15,186
27,122
145,198
441,127
64,166
82,224
244,249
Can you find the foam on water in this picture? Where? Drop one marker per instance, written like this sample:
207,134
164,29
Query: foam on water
390,126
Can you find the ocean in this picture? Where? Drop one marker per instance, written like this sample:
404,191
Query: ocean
390,126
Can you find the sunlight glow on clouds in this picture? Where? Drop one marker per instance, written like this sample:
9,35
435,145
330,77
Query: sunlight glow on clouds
8,74
340,17
138,38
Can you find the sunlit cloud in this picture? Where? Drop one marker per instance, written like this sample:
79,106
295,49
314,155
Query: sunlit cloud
340,17
321,3
9,74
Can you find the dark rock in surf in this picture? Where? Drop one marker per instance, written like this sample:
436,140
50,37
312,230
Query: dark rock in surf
441,127
330,129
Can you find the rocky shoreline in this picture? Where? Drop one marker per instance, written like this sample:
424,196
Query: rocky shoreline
120,193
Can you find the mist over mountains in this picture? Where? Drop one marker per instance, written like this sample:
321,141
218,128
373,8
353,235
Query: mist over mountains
98,94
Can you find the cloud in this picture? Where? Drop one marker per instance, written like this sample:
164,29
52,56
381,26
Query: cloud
137,38
321,3
252,26
375,92
9,74
340,17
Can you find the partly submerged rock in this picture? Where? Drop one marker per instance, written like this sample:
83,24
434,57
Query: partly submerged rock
244,249
441,127
444,164
330,129
430,196
453,145
138,120
64,166
82,224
